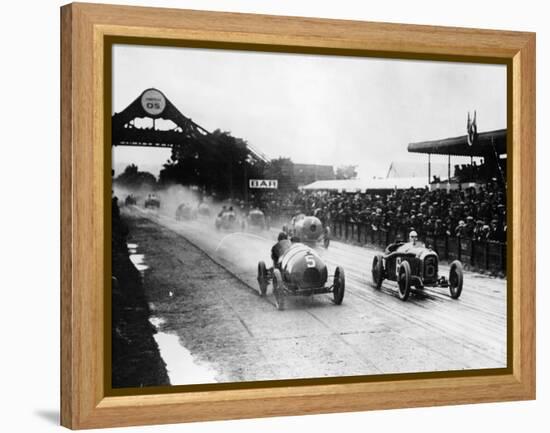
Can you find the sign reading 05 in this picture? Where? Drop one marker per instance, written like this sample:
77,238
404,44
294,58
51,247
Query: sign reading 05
153,102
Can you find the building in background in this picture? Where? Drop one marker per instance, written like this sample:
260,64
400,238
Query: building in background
307,173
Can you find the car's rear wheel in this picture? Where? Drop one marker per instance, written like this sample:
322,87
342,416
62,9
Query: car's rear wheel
377,271
456,279
278,290
262,278
404,280
339,285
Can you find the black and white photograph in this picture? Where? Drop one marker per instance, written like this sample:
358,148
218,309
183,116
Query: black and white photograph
285,216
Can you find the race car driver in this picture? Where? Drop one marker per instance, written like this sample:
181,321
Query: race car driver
413,240
282,245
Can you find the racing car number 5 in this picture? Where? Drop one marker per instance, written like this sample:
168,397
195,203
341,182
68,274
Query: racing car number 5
310,261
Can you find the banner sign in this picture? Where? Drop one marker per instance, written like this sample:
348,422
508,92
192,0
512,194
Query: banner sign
263,183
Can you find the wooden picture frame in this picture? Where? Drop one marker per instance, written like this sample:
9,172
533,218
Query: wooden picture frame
85,212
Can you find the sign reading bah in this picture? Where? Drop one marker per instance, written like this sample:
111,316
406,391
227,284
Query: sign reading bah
263,183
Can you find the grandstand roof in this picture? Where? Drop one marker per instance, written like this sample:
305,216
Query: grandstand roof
483,144
355,185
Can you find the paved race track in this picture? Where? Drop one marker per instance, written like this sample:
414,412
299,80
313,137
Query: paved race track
214,326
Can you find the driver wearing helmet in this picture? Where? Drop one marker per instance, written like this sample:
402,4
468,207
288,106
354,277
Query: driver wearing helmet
413,240
282,245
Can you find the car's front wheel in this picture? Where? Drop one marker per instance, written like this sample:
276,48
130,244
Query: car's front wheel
404,280
278,290
262,278
339,285
377,271
326,238
456,279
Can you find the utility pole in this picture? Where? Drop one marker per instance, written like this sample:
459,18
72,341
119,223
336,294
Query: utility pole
429,167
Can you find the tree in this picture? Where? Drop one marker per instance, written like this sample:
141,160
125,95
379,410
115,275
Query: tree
135,179
281,169
346,172
217,163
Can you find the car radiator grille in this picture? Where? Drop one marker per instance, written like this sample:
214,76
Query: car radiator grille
311,278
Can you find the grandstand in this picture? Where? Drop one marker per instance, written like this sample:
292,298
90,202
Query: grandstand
489,146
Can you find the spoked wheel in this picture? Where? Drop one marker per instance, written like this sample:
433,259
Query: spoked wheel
404,280
278,290
262,278
377,271
339,285
456,279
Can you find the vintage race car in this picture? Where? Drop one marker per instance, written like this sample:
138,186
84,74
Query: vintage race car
256,220
300,272
415,266
227,220
152,201
130,200
309,230
204,210
186,212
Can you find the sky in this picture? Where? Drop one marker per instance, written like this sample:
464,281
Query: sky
312,108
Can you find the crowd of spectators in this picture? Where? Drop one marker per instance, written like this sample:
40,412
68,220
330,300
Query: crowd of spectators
472,213
484,171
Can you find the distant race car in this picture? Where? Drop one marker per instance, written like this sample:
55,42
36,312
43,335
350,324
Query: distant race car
204,210
309,230
300,272
256,220
186,212
152,201
130,200
415,266
227,220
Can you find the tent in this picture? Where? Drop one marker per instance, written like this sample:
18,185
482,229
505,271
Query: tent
358,185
